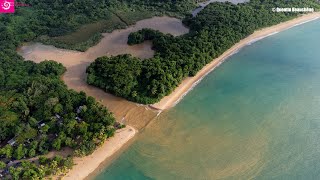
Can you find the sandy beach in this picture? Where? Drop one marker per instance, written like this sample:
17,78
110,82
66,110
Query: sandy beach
86,165
114,43
137,116
188,83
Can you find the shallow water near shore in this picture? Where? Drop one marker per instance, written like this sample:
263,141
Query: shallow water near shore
257,116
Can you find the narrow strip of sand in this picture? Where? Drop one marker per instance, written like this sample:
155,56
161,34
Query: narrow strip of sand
86,165
188,83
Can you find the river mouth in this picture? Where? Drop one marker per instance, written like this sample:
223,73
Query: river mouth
112,44
255,117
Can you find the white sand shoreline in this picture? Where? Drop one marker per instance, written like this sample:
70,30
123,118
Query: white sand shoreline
84,166
87,165
132,114
189,83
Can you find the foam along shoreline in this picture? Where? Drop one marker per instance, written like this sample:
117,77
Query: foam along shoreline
84,166
190,82
89,164
76,62
135,115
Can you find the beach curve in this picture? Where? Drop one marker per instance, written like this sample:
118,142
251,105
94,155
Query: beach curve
135,116
190,82
87,165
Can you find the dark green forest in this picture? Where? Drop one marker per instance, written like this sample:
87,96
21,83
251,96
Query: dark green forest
38,113
78,25
214,30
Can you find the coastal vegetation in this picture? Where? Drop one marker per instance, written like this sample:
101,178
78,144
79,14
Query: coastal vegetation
214,30
80,32
38,113
47,166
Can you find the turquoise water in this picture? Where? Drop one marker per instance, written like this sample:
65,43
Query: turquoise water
257,116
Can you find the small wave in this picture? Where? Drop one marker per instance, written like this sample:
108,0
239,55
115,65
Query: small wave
146,108
139,105
304,22
27,52
235,52
231,54
260,38
200,79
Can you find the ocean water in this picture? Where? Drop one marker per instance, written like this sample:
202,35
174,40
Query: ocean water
257,116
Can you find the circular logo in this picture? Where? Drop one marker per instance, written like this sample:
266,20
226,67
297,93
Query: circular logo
6,5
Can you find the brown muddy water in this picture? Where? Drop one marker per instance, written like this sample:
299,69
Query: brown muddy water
114,43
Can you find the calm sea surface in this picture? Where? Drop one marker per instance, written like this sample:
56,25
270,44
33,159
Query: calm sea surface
257,116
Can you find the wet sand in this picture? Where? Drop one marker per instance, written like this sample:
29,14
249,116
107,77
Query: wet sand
188,83
88,164
113,43
135,115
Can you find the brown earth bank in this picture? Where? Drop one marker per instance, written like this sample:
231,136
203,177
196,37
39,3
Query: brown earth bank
136,116
127,112
114,43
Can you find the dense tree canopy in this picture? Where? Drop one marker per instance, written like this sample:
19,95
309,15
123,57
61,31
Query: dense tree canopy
38,113
127,69
214,30
43,18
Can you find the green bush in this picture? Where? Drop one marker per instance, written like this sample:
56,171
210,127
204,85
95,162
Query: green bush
214,30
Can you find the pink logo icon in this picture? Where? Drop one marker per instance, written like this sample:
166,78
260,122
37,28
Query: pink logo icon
7,6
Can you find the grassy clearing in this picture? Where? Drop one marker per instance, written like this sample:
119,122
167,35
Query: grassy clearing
87,31
90,34
131,16
86,36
